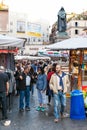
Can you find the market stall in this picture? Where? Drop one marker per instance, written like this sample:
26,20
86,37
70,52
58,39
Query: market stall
61,56
77,47
8,47
77,57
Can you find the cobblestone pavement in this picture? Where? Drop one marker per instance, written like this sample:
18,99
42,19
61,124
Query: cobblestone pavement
34,120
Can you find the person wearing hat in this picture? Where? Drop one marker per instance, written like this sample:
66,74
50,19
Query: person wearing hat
4,89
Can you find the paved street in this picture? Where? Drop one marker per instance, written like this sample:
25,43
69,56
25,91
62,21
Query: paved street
34,120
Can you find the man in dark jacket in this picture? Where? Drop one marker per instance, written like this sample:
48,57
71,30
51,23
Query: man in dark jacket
24,87
4,89
16,75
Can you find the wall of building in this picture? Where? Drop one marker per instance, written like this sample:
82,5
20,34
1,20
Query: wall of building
76,27
20,25
4,14
13,19
36,32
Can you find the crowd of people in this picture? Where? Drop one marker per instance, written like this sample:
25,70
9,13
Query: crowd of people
47,78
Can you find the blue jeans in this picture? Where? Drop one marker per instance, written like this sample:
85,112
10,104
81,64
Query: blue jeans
4,105
41,97
32,89
59,104
24,94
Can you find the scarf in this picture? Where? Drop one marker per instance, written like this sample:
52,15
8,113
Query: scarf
61,80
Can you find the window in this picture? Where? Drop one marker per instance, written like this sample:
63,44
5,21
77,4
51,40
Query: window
47,36
34,40
69,32
11,30
28,40
21,26
76,24
43,34
47,29
39,40
76,32
11,23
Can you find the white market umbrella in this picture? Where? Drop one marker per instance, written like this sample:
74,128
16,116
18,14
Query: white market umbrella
7,41
17,57
71,43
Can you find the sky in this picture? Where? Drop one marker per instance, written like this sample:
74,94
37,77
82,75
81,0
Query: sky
46,9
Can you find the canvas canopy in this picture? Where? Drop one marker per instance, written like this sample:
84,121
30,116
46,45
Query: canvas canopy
31,57
7,41
71,43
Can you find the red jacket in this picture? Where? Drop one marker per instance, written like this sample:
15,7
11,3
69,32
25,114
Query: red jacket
49,75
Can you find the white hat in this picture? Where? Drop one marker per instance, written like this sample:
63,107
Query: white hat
2,68
7,122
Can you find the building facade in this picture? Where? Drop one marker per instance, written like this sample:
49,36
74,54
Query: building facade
53,37
35,32
76,27
4,19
